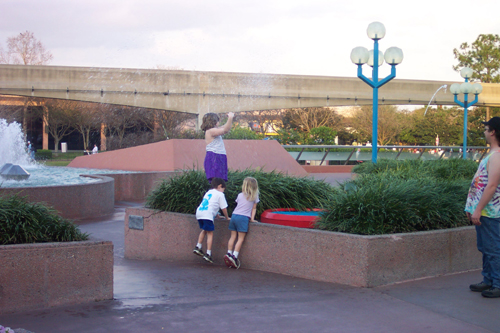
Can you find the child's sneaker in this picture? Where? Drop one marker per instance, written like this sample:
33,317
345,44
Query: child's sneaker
237,263
228,260
198,252
208,258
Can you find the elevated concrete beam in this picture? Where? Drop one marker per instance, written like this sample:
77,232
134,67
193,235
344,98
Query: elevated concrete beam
202,92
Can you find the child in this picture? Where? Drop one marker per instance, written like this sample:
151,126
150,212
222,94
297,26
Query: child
209,207
215,160
244,212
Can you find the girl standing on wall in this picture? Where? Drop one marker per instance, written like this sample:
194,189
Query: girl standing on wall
215,159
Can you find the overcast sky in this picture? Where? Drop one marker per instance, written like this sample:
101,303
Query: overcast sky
309,37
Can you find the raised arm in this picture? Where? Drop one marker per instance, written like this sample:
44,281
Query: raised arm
223,129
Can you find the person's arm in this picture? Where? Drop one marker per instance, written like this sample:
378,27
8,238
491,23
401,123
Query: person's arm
224,211
493,181
254,210
213,132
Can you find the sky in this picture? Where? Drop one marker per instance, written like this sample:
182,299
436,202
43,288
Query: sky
309,37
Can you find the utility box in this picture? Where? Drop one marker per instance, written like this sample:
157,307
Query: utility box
64,147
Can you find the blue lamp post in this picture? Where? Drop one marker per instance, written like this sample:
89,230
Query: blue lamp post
375,58
466,88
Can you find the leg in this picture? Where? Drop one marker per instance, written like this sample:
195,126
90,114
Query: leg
232,239
490,237
239,243
201,237
210,237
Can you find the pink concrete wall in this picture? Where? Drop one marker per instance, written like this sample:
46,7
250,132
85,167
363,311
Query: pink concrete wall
365,261
41,275
137,186
177,154
72,201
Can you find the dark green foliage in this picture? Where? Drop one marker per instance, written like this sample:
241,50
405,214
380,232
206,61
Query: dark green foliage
450,169
184,193
401,196
25,222
384,204
242,133
43,154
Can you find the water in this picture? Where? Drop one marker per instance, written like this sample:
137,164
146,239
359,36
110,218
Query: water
13,150
51,176
13,147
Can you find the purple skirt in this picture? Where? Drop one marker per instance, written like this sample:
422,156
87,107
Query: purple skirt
215,165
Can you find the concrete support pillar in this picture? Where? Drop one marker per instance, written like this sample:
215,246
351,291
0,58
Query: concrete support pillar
45,129
103,137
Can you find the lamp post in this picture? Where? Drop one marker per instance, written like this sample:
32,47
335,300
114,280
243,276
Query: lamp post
466,88
375,58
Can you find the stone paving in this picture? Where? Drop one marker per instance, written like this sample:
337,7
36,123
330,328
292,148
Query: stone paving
163,296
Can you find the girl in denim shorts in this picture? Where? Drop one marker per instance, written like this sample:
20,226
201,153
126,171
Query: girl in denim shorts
245,212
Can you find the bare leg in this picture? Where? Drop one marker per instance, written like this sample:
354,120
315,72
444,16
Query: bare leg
201,237
239,243
230,244
210,237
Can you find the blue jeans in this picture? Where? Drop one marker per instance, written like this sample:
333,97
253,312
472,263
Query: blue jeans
488,243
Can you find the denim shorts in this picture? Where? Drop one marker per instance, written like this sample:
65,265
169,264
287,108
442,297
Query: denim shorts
239,223
206,225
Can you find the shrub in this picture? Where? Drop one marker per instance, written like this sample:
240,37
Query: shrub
242,133
385,204
441,169
43,154
183,193
25,222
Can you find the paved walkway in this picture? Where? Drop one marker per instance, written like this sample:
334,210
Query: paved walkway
164,296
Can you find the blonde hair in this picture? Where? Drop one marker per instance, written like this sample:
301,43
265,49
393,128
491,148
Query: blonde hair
209,121
250,188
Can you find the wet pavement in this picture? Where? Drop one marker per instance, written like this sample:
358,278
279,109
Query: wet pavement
167,296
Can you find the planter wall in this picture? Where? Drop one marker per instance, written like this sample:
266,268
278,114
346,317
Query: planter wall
72,201
35,276
365,261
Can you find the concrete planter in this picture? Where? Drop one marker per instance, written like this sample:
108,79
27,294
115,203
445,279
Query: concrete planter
365,261
34,276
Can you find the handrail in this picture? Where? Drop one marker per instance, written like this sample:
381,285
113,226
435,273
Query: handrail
421,150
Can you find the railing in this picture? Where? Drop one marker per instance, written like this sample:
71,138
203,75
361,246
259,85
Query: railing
355,154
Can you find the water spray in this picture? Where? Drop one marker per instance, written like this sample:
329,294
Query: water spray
443,86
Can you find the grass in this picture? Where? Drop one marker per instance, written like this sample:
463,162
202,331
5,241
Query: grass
26,222
183,193
401,196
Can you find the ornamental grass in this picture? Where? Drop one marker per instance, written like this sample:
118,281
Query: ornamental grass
401,196
183,193
27,222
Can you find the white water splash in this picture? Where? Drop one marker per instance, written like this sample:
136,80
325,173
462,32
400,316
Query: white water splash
13,147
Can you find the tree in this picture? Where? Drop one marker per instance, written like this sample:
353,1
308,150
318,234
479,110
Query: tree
483,57
305,119
58,116
86,119
390,124
321,136
25,49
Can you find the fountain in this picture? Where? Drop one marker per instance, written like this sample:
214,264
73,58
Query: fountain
65,189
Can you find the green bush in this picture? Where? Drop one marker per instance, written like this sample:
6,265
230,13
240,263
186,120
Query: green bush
441,169
43,154
385,204
25,222
242,133
183,193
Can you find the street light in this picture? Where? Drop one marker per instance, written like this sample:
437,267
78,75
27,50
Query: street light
375,58
466,88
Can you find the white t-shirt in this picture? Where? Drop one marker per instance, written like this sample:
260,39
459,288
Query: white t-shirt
244,206
212,201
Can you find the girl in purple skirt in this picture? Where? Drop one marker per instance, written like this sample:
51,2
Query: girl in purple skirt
215,160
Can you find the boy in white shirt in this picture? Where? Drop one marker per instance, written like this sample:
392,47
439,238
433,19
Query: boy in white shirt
212,201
